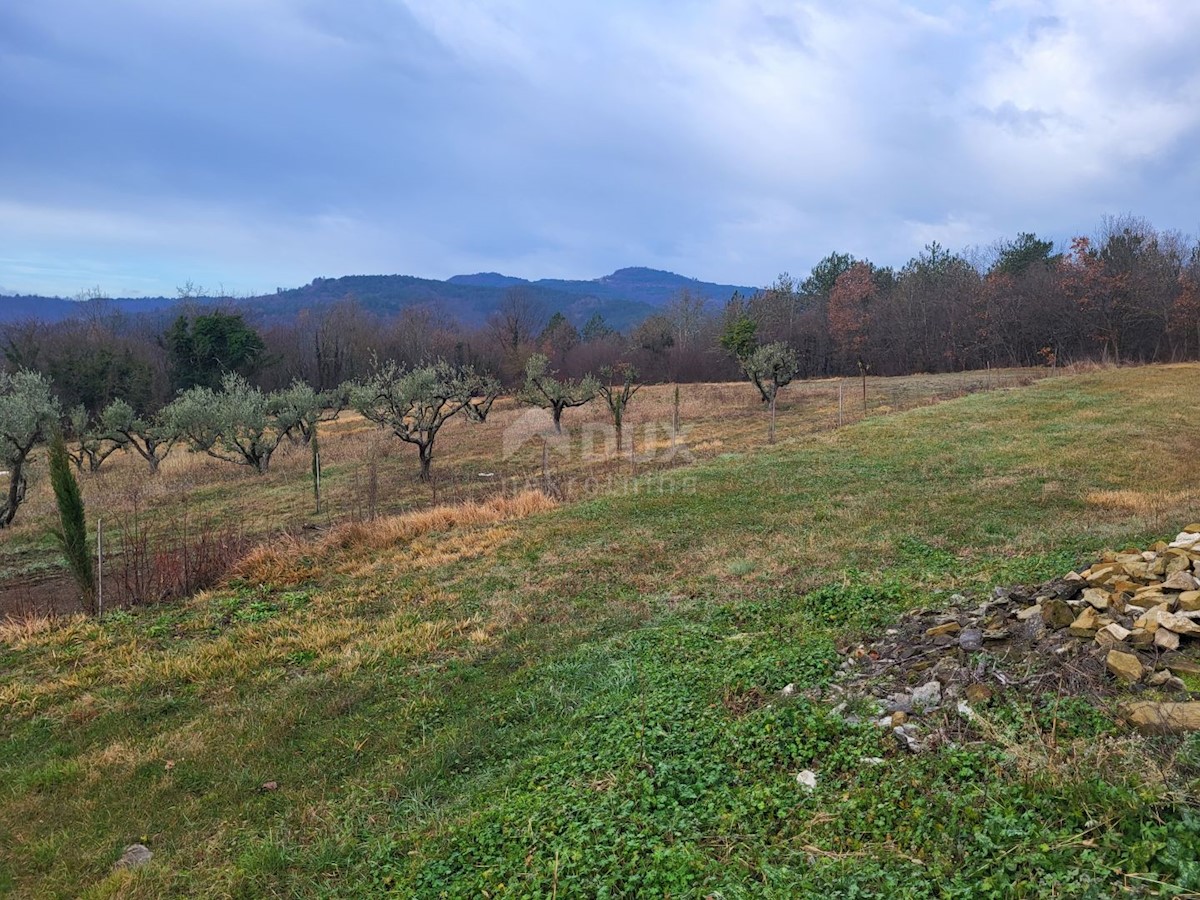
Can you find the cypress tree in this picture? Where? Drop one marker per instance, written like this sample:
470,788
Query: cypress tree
72,533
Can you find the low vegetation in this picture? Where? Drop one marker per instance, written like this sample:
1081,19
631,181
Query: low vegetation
584,699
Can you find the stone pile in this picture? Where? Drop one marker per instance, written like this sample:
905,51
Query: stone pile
1128,622
1133,604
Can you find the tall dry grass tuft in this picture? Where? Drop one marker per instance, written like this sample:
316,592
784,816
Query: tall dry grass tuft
406,527
285,562
17,629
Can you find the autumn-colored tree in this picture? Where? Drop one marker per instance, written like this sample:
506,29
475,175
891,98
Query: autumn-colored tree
1185,311
558,338
1083,279
848,310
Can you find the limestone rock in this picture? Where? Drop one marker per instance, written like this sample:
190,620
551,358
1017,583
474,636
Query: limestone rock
1178,624
908,739
1086,624
1057,613
1166,681
1096,598
1099,574
1181,665
1150,619
807,779
136,855
1181,581
1112,634
1165,639
1189,601
948,628
1186,540
1125,666
1140,637
1162,718
927,696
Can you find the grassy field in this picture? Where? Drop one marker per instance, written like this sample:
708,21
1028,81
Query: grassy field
533,698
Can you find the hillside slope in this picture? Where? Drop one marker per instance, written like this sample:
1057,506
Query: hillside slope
584,701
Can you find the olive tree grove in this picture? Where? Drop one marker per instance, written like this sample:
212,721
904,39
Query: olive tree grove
617,387
239,424
148,437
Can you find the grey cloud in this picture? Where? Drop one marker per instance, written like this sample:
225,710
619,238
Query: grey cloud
290,138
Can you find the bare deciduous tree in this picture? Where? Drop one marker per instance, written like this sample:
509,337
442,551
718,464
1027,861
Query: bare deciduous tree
514,326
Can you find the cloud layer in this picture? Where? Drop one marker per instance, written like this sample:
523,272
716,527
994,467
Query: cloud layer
256,143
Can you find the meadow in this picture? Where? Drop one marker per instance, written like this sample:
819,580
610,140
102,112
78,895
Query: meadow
476,689
368,473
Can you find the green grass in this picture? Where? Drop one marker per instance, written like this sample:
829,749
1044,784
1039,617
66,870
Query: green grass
586,703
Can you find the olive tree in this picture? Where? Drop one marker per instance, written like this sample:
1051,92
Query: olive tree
771,367
555,394
28,414
617,386
91,442
239,424
149,438
416,403
307,407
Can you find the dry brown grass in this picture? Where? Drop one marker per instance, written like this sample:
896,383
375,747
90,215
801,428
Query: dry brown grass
283,563
1145,504
405,528
290,561
19,629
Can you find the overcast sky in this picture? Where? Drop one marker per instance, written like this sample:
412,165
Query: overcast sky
260,143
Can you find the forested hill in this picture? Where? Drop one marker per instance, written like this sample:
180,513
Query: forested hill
623,298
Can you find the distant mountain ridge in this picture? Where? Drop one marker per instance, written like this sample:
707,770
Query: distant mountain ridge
624,298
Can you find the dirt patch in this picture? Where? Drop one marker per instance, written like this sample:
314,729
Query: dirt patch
54,595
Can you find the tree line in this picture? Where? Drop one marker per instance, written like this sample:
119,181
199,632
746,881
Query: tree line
1129,293
211,378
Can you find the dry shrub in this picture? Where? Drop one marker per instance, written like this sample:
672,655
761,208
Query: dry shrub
406,527
155,560
174,565
282,563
